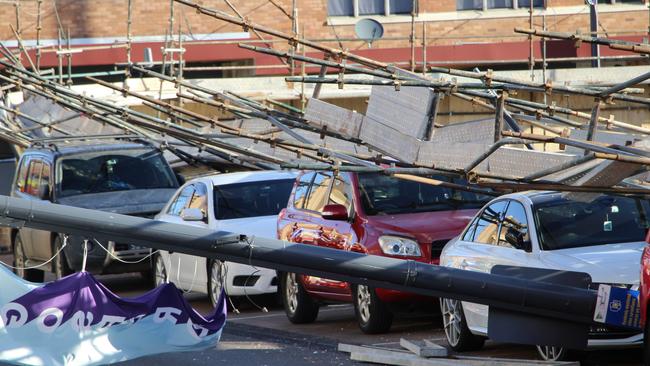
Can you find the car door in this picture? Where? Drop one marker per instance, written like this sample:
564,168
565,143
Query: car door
338,234
173,215
193,268
501,237
42,240
28,187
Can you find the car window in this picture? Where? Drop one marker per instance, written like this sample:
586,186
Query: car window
34,177
341,193
199,199
514,228
302,189
469,232
21,180
570,221
45,177
181,201
251,199
486,230
318,193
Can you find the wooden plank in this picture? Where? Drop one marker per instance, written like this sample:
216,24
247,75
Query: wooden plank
423,349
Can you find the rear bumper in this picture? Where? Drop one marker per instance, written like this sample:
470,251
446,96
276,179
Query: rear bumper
628,342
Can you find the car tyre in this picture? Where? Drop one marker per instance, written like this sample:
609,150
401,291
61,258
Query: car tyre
298,305
216,280
459,337
159,272
373,315
60,264
32,275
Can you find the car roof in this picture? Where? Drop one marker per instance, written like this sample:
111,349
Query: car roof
243,177
79,147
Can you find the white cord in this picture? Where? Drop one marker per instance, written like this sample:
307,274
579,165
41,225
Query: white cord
122,260
193,278
83,263
65,243
256,271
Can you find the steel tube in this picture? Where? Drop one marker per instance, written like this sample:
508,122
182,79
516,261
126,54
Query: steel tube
530,297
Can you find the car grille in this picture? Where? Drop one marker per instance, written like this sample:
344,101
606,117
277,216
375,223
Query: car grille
436,247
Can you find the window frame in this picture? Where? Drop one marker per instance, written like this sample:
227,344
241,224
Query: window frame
206,205
298,181
477,218
311,186
528,228
387,11
175,200
347,182
515,5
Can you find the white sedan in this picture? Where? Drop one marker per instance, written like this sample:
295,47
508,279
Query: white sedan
246,203
602,235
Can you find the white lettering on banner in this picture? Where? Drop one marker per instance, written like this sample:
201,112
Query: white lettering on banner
110,320
48,314
166,314
14,321
193,328
136,319
81,321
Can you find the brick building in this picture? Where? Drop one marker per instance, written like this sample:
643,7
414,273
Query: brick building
459,33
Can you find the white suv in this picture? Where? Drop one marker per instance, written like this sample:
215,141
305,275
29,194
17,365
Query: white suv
244,202
602,235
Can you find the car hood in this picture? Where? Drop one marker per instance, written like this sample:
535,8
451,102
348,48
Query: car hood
610,263
425,226
261,226
132,202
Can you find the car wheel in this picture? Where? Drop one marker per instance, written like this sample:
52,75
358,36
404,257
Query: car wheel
216,280
459,337
298,305
20,260
159,271
373,315
61,268
552,353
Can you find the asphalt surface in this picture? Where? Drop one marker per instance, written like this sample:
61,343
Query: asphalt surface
255,337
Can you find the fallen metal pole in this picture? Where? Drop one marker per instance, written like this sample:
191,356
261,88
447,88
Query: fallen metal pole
509,293
438,85
612,43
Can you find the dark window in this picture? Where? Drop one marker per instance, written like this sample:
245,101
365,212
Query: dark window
114,171
341,192
469,4
302,189
386,195
251,199
564,222
318,193
181,201
45,178
372,7
497,4
514,229
487,225
526,3
340,7
34,178
400,6
200,199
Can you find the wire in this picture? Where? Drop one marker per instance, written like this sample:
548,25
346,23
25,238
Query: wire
65,243
122,260
83,263
256,271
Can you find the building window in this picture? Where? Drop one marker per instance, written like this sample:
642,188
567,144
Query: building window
621,1
351,8
497,4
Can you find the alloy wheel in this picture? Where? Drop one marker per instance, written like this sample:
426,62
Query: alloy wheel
550,353
19,258
216,281
363,302
160,272
291,290
451,318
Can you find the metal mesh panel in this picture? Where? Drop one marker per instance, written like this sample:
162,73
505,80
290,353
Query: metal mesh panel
390,141
406,110
341,120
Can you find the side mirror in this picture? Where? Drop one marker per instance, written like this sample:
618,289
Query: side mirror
180,179
515,238
192,214
335,212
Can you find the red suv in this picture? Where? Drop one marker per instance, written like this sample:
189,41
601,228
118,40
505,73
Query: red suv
368,213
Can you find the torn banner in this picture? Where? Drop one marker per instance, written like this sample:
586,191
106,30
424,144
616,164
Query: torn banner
78,321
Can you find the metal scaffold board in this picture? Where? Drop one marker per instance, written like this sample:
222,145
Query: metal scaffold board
406,110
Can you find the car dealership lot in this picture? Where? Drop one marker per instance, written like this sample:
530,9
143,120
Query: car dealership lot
257,337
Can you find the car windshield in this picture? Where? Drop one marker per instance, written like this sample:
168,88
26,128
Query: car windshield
251,199
110,171
573,221
385,195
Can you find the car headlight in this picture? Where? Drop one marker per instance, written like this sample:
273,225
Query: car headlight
395,245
